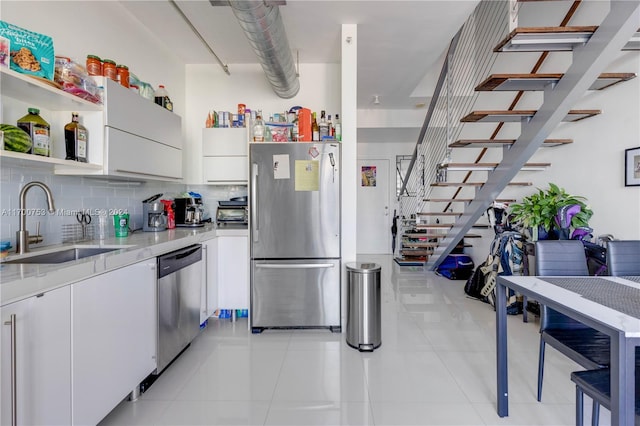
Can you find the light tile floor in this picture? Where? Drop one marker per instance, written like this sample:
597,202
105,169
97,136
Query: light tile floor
436,366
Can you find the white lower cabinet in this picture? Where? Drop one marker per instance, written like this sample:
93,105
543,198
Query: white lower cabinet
113,338
233,272
209,300
42,354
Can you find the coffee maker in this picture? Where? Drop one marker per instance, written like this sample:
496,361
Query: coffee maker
153,214
189,212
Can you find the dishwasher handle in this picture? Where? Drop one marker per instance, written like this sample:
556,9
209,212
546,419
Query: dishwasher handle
179,259
187,252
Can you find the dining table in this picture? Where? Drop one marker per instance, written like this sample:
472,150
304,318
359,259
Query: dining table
608,304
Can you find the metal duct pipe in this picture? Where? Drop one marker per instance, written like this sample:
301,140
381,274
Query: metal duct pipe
263,27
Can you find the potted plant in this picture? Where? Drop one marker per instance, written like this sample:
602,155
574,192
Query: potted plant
537,212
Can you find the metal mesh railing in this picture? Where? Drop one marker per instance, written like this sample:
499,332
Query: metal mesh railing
468,62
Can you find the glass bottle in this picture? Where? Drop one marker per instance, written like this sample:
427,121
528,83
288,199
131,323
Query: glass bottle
315,130
258,129
338,128
323,126
332,130
75,140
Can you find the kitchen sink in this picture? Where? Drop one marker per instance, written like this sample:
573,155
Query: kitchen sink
65,255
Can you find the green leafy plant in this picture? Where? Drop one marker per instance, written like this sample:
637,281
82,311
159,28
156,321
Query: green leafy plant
539,209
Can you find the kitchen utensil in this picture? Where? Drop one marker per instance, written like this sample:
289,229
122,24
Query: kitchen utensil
83,219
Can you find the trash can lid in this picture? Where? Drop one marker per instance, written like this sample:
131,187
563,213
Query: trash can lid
363,267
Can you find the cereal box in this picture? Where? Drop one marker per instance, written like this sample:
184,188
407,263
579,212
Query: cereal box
30,53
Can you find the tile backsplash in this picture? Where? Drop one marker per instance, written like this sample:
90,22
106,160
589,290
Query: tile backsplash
73,193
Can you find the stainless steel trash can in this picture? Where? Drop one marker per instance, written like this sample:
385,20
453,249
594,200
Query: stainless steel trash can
363,306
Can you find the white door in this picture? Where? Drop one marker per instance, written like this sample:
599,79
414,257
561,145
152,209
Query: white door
373,217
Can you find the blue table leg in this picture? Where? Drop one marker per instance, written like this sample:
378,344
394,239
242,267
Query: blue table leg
501,350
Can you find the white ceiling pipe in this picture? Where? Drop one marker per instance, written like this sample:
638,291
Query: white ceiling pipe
263,27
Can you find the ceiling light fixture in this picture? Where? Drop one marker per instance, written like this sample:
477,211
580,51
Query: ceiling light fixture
376,100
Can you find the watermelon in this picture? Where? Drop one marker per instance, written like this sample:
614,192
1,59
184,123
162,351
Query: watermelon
16,139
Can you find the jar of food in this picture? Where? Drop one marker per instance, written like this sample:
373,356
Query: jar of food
123,75
94,65
109,69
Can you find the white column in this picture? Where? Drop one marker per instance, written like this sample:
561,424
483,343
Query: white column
349,80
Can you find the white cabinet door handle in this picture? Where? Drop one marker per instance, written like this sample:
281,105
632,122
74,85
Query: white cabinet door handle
14,371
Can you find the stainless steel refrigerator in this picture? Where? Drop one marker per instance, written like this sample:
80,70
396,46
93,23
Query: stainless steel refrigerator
294,202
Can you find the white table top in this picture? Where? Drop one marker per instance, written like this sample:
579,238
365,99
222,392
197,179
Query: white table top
612,318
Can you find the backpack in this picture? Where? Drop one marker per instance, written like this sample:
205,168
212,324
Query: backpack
596,258
456,267
506,258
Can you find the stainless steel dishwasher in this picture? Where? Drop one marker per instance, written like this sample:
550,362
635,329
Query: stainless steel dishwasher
179,285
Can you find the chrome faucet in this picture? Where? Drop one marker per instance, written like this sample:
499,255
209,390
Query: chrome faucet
22,235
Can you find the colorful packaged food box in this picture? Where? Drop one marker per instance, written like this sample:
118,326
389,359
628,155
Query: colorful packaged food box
30,53
4,52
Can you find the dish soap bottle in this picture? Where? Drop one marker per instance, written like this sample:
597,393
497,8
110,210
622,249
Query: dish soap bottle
38,129
75,140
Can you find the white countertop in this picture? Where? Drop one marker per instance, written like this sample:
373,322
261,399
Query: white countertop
19,281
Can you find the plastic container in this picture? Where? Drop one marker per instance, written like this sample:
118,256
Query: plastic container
102,224
94,65
121,224
161,97
39,131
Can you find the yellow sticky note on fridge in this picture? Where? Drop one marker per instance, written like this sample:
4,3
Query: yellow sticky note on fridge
307,175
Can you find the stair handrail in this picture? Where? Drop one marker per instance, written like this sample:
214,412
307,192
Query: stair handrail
432,106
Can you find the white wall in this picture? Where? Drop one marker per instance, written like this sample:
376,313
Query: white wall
106,29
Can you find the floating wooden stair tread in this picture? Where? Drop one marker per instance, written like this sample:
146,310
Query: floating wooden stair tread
532,82
426,245
434,226
459,184
499,143
445,226
506,116
463,200
435,236
439,214
417,244
489,166
547,39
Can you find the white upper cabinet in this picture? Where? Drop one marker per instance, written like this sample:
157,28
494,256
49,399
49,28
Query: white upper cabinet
137,129
225,156
129,136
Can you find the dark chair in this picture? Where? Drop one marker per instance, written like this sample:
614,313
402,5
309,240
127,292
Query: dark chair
623,257
597,385
584,345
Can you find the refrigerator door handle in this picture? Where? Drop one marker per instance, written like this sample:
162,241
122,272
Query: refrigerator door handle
254,202
294,265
